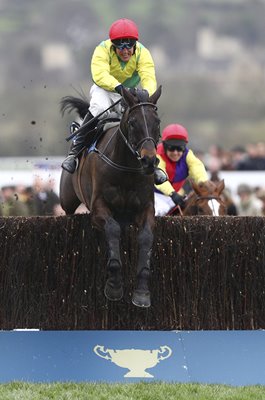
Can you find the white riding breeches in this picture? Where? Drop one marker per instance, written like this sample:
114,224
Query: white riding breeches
102,99
163,204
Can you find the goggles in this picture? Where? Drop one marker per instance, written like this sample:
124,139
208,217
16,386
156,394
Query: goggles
122,44
175,148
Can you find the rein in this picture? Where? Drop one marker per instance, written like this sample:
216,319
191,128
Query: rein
115,165
128,144
81,128
209,197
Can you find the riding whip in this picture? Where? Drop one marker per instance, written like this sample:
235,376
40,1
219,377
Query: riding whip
82,127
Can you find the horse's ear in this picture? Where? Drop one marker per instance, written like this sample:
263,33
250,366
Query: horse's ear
221,186
155,96
128,97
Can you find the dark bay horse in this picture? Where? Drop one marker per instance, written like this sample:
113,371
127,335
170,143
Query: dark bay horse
116,183
204,199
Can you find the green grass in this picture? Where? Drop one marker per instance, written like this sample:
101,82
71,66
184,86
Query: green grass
137,391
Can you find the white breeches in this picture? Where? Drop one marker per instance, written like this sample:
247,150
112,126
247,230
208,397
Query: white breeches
102,99
163,204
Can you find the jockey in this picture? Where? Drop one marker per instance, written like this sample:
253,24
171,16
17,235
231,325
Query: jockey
117,63
179,162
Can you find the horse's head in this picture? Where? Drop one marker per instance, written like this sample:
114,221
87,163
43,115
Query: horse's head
141,126
206,199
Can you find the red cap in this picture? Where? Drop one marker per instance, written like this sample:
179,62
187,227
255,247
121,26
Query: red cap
175,131
123,28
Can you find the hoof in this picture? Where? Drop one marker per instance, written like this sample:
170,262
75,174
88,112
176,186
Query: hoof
113,293
141,298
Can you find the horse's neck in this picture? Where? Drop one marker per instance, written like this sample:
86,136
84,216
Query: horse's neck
114,147
121,149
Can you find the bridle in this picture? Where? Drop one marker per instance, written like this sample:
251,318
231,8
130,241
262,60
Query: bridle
211,198
145,139
134,150
208,197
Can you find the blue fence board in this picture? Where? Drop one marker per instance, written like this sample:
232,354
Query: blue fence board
226,357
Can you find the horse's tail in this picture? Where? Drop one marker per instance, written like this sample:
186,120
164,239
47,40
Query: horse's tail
70,103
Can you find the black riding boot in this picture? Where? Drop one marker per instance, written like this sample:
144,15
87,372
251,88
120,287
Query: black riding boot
70,163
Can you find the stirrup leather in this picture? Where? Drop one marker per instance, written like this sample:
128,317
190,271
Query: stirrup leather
76,163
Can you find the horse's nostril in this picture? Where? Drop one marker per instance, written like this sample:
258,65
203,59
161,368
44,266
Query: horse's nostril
148,164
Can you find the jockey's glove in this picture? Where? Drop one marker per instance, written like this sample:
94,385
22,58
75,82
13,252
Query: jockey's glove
178,200
119,89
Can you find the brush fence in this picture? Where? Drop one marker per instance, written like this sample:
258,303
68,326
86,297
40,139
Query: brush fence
207,273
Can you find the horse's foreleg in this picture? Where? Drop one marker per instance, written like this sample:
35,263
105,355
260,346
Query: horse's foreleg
114,287
141,294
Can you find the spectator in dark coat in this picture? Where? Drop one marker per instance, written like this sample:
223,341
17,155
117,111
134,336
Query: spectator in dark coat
45,198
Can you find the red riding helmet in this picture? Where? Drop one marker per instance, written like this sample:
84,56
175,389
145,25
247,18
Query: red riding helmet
175,131
123,28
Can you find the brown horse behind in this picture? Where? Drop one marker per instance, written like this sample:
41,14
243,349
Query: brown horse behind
204,199
116,183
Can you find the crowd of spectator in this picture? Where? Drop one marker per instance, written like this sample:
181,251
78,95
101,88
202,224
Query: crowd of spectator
39,199
239,158
250,201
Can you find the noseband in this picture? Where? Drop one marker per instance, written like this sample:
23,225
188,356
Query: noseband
210,197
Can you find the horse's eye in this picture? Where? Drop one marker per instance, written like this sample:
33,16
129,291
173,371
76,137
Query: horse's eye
131,123
158,126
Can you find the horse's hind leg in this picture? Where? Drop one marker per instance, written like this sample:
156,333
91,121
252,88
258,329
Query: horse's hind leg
68,199
114,286
141,294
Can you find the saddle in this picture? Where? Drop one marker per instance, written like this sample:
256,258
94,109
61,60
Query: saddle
93,136
112,120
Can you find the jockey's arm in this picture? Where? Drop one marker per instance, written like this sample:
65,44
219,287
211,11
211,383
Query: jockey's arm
197,171
165,188
100,69
146,70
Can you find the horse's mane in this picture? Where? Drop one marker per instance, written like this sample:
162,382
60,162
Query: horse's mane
142,95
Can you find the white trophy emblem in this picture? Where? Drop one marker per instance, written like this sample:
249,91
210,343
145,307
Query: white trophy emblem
136,360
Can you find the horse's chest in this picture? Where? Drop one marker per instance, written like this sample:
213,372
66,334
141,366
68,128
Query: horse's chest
128,199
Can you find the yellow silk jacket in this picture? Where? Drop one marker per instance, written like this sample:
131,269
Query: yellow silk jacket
108,71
